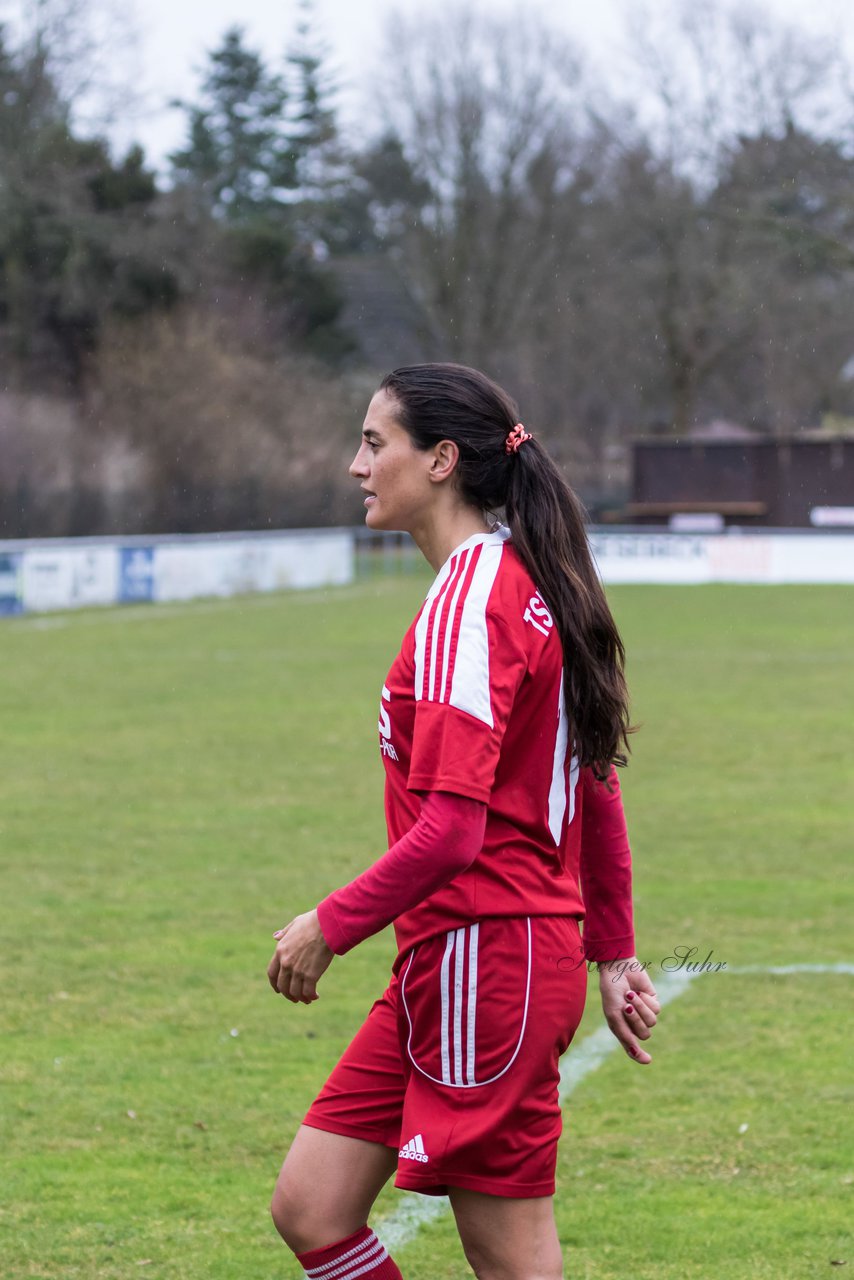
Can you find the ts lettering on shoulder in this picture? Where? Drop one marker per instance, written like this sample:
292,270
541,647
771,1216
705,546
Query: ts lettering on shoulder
538,615
385,727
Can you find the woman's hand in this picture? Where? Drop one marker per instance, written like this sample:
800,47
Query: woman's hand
301,956
630,1004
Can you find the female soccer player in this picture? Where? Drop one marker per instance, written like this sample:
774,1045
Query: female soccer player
500,723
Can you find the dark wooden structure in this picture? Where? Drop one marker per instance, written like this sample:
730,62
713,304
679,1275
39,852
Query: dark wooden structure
757,480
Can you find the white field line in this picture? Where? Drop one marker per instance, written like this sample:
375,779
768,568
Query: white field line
842,967
403,1225
415,1210
579,1062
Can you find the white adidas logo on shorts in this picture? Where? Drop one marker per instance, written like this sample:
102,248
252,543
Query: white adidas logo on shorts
414,1150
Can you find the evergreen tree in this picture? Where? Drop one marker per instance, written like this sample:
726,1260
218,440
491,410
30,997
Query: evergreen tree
313,122
255,159
238,154
77,235
324,174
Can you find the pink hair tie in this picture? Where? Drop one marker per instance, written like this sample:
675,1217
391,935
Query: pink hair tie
516,437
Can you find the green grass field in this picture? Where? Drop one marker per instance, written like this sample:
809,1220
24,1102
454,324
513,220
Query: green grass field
178,781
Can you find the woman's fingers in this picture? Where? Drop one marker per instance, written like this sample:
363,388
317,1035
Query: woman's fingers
279,973
297,988
636,1053
300,959
301,990
630,1033
639,1014
631,1014
636,1023
273,972
644,989
290,986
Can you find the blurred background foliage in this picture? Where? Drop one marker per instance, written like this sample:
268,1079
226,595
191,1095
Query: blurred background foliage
193,348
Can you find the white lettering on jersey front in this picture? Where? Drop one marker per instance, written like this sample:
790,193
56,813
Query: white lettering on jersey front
538,615
384,726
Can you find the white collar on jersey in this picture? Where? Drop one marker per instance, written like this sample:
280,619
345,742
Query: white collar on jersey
499,534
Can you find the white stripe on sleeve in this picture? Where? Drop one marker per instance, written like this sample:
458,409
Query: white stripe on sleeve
422,626
441,694
470,679
574,770
557,790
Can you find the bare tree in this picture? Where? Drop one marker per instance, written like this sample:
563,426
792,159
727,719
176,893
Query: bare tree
90,52
489,113
225,431
712,75
710,71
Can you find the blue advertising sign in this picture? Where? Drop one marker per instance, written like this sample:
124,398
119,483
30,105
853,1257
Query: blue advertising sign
11,600
136,574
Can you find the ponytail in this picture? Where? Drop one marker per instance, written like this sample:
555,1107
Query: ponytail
547,527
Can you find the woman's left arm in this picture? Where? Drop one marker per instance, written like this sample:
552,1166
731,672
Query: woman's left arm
605,870
629,999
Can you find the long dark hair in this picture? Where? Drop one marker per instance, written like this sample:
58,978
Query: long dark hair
547,527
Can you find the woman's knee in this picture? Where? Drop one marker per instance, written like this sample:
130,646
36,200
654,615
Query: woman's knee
305,1220
326,1188
290,1209
508,1239
488,1263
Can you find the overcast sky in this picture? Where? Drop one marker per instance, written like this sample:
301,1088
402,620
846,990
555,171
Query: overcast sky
174,36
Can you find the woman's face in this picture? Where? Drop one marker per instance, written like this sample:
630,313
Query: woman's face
394,475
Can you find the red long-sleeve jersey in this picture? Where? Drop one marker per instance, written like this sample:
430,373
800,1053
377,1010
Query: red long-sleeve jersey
473,706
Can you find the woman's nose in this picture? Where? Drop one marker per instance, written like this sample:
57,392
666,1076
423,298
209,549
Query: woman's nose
358,467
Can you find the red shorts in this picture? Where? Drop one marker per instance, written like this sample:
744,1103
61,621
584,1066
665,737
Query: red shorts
457,1065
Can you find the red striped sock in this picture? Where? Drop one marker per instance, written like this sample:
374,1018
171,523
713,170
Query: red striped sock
361,1254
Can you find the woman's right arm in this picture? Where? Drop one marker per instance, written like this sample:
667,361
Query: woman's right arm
445,840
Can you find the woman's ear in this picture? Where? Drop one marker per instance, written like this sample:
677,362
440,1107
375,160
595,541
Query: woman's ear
446,455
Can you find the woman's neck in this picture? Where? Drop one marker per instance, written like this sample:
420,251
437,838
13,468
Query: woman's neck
436,538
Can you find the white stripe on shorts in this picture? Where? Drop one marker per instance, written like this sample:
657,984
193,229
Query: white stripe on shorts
458,1005
445,994
452,1020
472,1002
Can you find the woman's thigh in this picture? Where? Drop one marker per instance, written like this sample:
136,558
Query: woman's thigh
346,1149
508,1239
326,1187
